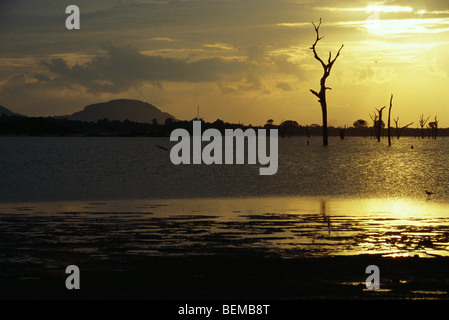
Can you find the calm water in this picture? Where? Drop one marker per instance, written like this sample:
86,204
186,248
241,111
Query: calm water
70,168
98,198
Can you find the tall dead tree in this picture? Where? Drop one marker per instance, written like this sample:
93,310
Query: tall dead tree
422,124
379,123
327,70
389,123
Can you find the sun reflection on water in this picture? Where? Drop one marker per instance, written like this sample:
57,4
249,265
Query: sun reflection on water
287,226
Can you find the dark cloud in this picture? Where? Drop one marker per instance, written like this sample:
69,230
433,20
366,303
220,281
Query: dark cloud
39,94
284,86
123,68
284,66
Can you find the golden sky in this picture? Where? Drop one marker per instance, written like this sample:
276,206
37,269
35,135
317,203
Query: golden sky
245,61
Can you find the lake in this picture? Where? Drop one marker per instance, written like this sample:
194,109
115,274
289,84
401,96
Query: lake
355,196
115,168
140,227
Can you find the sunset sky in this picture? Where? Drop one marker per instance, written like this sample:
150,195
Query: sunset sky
239,60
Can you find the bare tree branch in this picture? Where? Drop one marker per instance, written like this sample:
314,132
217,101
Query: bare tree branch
326,72
315,93
338,54
318,38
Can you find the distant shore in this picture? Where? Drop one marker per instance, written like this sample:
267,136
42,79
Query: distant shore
54,126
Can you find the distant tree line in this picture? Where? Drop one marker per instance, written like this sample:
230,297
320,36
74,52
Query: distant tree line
360,128
36,126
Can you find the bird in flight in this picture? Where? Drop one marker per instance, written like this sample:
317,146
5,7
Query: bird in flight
429,193
161,147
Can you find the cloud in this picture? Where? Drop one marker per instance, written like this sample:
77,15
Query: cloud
254,53
285,66
39,94
284,86
123,68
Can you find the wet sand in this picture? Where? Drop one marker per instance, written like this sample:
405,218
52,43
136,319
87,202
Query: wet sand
221,250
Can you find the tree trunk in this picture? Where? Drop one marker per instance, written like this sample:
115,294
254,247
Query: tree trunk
379,126
389,124
325,133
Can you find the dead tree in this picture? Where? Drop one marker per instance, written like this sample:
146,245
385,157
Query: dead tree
375,119
434,127
327,70
379,123
422,124
399,129
389,123
342,133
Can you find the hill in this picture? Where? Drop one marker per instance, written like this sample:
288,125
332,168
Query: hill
8,112
120,110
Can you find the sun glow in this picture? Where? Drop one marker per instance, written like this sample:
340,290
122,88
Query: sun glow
387,9
371,8
406,26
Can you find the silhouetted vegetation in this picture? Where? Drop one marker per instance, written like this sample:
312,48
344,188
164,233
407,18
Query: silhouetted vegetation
422,124
398,128
379,124
433,126
342,133
40,126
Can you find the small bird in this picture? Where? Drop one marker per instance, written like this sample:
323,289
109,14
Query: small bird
429,193
161,147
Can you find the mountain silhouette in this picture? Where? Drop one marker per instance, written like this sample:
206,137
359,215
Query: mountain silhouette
120,110
8,112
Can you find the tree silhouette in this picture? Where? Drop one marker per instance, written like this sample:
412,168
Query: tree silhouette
422,124
342,133
327,70
288,128
360,123
269,124
399,129
434,127
375,119
379,123
389,121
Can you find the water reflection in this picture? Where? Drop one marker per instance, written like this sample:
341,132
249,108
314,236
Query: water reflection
327,220
290,227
